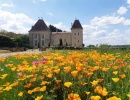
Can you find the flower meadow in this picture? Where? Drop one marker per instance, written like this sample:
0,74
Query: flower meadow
65,75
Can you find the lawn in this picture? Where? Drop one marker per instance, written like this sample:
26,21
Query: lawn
66,75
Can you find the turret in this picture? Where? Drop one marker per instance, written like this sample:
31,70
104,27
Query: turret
77,34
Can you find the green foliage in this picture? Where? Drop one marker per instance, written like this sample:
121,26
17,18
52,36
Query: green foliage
10,39
6,42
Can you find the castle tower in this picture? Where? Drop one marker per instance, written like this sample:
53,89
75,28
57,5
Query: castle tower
39,35
77,34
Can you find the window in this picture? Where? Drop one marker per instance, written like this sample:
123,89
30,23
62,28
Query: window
74,45
78,33
35,42
74,33
78,40
64,40
36,36
43,36
42,42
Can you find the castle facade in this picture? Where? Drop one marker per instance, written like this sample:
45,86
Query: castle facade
40,36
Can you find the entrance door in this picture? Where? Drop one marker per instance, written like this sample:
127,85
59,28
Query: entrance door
61,43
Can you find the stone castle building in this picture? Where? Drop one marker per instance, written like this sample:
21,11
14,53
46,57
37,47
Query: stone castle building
41,36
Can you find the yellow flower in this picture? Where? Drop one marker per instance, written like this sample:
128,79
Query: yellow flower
3,76
13,69
67,69
67,84
20,94
25,62
8,88
43,89
94,83
128,95
58,81
115,72
115,79
122,76
73,97
57,71
83,83
36,89
74,73
104,92
14,84
105,69
39,97
6,84
30,91
87,93
95,97
49,75
114,98
28,85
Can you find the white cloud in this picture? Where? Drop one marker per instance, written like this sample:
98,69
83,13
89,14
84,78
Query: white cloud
106,21
105,37
109,21
89,28
127,22
15,22
61,26
7,5
128,1
127,31
43,0
50,14
122,10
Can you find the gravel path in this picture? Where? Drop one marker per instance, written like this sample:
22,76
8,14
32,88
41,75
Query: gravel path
15,53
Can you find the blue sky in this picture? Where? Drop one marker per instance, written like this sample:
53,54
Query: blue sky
104,21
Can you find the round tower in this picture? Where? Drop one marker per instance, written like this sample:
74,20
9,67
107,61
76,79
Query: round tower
77,34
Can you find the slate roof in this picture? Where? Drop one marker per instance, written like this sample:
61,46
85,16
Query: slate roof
39,26
76,24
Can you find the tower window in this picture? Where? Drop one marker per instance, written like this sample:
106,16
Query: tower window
35,42
36,36
64,40
78,33
42,42
43,36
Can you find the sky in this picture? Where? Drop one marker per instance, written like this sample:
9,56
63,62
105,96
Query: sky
103,21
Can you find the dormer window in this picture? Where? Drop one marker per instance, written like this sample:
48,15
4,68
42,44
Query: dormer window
43,36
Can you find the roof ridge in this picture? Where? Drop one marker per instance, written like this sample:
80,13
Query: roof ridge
76,24
40,25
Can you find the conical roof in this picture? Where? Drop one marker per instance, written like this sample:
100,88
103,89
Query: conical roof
76,24
39,26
